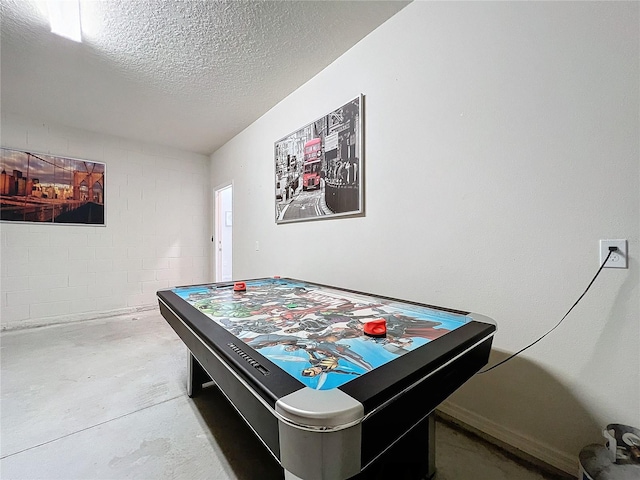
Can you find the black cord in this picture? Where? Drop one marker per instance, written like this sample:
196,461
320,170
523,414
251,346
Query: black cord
611,250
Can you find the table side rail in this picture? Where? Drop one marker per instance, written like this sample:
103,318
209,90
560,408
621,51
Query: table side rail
396,418
448,364
257,413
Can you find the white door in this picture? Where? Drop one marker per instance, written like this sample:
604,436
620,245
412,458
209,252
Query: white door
223,221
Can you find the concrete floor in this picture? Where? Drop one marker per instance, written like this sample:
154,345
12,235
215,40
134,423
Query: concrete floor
105,399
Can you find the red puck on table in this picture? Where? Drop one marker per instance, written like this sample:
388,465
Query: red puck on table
376,328
240,287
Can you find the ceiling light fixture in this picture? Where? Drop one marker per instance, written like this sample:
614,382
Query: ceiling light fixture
64,17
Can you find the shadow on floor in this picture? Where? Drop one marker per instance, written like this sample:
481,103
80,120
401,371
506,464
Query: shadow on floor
247,456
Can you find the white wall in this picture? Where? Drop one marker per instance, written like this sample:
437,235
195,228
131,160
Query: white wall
501,145
158,224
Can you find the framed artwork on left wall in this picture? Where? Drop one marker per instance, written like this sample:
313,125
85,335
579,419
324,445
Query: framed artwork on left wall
43,188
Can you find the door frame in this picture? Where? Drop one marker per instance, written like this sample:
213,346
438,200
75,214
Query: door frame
218,219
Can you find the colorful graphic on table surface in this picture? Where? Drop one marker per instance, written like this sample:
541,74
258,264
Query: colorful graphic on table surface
316,333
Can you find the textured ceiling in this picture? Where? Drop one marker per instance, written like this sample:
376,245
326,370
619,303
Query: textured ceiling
189,74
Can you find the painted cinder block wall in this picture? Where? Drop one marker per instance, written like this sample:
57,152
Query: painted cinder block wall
501,144
157,233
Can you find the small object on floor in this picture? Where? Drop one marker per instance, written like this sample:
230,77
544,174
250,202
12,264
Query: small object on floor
623,441
240,287
618,459
635,453
596,464
376,328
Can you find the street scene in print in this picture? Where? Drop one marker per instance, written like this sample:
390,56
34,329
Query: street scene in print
316,333
43,188
318,169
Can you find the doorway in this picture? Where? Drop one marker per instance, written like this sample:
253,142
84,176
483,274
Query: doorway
223,233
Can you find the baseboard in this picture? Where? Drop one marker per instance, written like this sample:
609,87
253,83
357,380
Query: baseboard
79,317
517,444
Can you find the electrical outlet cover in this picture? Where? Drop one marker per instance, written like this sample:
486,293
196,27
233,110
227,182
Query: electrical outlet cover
618,259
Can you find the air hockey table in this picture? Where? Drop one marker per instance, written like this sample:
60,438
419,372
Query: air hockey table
330,396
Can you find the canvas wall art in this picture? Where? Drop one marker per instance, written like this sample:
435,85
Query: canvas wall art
41,188
319,168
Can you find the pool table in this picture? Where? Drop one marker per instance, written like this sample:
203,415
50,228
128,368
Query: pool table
336,383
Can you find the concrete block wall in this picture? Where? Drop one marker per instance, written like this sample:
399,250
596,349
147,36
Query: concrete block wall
157,233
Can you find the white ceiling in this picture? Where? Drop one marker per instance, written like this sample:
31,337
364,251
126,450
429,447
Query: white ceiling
189,74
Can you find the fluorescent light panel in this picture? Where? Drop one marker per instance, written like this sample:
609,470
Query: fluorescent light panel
64,16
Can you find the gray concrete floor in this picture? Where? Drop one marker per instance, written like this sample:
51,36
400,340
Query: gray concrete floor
105,399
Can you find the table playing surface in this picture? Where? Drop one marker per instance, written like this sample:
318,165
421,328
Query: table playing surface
315,333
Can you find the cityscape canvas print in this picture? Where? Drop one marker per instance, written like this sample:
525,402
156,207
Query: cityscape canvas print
318,168
49,189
